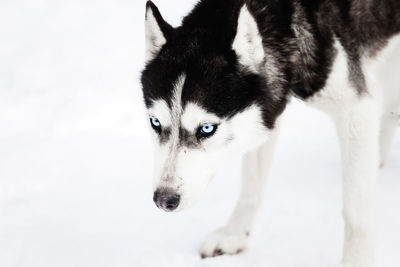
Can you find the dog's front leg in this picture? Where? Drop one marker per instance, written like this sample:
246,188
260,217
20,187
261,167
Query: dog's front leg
233,237
358,129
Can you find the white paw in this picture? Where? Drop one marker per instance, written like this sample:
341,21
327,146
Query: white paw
224,241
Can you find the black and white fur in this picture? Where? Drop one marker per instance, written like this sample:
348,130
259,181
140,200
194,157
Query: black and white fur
235,64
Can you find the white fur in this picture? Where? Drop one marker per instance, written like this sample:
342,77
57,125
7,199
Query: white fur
248,42
358,122
188,170
234,136
386,69
155,39
194,115
233,237
161,111
166,154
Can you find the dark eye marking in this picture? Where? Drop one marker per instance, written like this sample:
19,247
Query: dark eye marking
155,124
206,130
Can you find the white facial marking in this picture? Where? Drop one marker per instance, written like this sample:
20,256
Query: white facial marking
169,117
176,111
186,164
169,168
248,42
194,116
234,136
161,111
155,38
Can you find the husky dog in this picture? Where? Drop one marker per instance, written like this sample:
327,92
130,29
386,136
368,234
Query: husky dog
217,85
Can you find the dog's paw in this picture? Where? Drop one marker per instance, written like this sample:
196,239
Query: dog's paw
223,242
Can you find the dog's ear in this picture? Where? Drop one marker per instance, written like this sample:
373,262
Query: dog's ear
247,43
157,31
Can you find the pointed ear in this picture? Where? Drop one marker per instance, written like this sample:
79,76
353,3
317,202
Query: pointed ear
248,44
157,31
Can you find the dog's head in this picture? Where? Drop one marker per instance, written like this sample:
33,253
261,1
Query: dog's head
205,99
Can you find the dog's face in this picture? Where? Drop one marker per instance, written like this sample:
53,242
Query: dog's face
204,102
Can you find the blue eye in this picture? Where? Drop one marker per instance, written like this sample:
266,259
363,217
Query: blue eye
155,123
206,130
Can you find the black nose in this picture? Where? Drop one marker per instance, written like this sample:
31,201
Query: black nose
166,199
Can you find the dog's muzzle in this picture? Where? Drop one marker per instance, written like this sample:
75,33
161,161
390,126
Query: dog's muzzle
166,199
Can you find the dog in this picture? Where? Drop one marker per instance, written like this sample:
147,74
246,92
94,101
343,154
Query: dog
216,86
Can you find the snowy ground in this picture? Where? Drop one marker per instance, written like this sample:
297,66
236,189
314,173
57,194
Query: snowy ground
75,162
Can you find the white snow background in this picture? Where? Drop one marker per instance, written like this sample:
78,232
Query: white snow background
76,158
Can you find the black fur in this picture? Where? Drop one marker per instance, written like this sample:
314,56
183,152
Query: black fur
201,48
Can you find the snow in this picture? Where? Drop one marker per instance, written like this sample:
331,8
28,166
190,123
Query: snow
76,162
